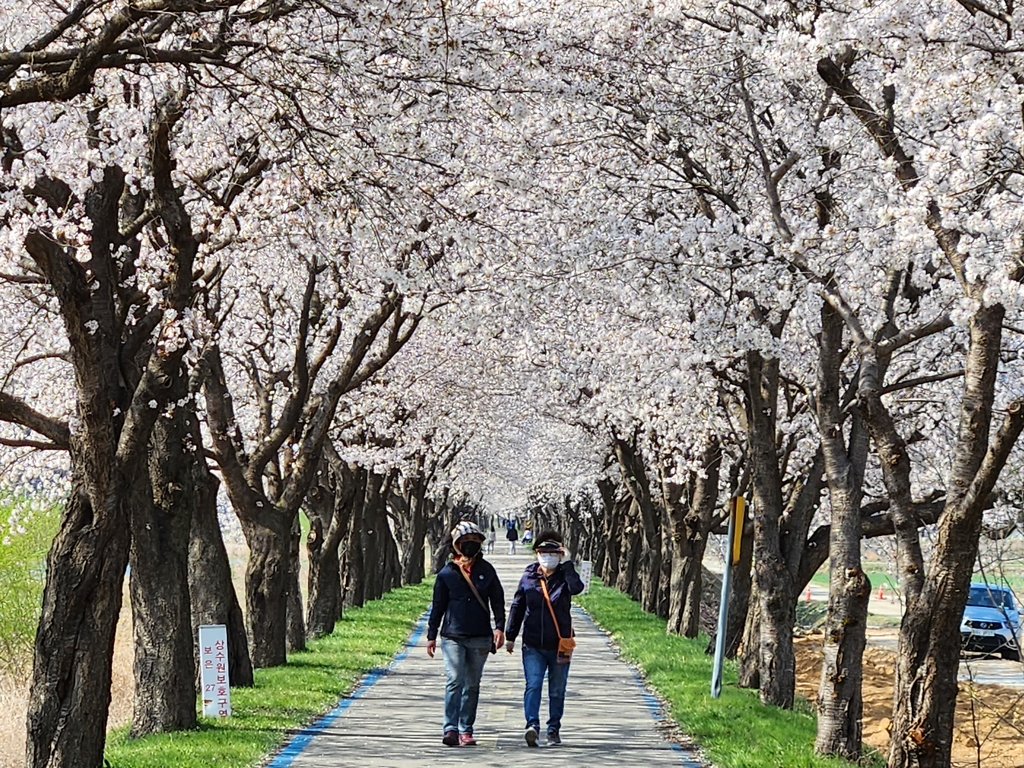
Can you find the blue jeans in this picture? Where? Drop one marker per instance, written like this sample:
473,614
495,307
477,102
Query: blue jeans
464,665
537,661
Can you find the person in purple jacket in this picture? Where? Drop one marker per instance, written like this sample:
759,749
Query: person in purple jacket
530,613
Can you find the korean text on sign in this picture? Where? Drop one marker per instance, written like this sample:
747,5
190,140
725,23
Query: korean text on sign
213,666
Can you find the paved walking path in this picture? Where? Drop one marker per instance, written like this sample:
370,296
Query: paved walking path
394,719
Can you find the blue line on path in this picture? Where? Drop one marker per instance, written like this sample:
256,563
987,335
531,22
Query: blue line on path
653,705
287,756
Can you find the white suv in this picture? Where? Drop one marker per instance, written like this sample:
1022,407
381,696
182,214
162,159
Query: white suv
991,622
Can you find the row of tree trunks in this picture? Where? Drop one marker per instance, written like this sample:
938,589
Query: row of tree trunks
122,384
783,553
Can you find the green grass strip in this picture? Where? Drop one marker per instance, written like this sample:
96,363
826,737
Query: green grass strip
284,698
735,730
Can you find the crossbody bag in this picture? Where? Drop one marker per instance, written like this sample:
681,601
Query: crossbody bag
476,594
566,645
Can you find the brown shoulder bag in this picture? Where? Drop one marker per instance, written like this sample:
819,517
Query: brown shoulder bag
566,645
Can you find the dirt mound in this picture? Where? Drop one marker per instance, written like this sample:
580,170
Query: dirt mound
989,718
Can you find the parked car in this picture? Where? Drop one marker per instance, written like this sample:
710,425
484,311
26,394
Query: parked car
991,622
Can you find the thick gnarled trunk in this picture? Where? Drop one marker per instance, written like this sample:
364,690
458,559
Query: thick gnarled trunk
71,673
70,692
266,594
162,508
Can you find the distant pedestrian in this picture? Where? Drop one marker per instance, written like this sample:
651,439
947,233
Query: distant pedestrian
492,539
466,591
527,537
513,536
541,608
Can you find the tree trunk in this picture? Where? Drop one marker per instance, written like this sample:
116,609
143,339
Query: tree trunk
413,566
296,622
750,644
739,603
690,532
648,516
441,521
665,574
840,704
929,642
627,581
329,504
355,582
392,560
324,606
778,661
774,584
374,520
211,589
685,572
266,593
162,506
604,540
70,694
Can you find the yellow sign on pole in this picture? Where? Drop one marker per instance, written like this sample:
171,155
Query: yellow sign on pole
739,509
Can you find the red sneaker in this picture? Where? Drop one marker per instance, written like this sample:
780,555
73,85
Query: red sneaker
467,740
451,739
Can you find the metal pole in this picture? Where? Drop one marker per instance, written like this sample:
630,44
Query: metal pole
736,515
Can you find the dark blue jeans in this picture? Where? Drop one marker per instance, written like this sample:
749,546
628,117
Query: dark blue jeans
537,662
464,665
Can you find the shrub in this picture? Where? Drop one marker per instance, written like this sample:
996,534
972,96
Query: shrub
26,530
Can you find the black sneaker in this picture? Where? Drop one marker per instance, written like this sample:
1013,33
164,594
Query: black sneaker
554,739
451,739
531,736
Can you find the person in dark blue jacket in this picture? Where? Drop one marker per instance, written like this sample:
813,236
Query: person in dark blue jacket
461,613
530,612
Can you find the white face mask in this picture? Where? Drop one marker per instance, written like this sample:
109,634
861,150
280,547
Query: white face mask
549,560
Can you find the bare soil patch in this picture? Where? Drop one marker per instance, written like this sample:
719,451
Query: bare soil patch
989,718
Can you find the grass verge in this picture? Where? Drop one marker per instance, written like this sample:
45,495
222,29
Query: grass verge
284,698
735,730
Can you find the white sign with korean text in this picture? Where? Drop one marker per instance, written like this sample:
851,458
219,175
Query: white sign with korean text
586,569
213,670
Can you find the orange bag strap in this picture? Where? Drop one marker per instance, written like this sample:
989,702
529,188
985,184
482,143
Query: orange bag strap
547,599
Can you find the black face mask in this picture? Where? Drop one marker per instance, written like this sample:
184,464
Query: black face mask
470,548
